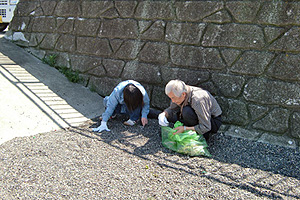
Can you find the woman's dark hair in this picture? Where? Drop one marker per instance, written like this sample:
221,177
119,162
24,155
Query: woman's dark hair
133,97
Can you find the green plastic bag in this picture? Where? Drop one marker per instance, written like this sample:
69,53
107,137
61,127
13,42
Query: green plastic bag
188,142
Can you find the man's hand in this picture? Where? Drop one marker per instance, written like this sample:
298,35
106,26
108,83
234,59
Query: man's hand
179,129
144,121
102,127
162,120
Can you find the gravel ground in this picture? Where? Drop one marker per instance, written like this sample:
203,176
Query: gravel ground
131,163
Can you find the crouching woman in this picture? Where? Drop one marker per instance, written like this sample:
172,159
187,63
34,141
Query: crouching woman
130,98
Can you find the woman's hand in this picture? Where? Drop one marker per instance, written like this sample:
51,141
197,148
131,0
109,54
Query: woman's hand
144,121
102,127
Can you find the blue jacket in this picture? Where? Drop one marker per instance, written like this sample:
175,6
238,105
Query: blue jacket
116,97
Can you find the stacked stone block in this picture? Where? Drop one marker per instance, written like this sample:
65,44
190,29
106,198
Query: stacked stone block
246,53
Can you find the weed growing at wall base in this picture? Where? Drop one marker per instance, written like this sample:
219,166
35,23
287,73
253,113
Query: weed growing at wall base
71,75
50,60
93,88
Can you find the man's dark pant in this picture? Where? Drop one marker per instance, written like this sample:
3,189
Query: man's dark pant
189,118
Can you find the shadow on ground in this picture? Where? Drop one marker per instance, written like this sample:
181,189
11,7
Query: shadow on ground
262,169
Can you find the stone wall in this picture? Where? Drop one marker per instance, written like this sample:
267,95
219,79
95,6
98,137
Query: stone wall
246,53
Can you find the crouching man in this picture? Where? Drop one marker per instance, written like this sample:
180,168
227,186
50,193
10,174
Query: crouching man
196,108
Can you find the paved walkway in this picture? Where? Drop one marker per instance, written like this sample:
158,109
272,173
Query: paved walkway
36,98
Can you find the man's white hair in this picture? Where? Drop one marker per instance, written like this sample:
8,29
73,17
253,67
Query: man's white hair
175,86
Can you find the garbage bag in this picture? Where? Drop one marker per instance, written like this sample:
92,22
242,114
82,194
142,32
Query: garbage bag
188,142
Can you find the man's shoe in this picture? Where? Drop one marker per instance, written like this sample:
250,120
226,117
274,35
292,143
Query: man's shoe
129,122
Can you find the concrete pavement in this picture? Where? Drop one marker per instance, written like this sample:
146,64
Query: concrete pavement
37,98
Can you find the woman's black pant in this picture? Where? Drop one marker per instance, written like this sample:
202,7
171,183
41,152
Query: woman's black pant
189,118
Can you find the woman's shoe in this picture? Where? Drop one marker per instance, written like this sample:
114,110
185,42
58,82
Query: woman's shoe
129,122
112,117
